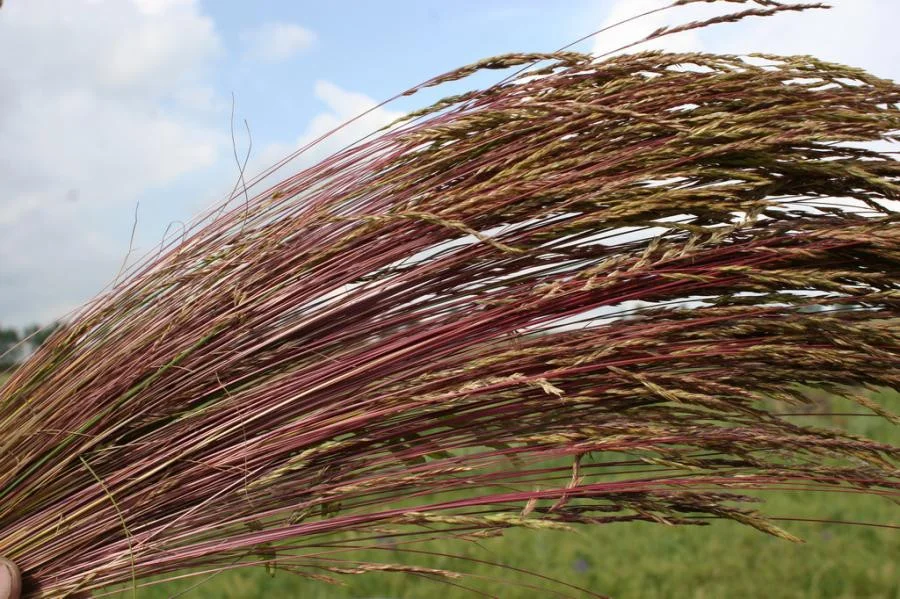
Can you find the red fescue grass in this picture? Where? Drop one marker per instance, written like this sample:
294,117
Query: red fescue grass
450,307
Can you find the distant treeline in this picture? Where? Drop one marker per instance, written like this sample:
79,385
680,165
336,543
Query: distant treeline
12,348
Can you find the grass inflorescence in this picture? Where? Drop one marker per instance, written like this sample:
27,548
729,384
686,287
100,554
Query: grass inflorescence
581,296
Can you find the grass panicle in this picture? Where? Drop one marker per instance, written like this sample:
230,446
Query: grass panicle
580,296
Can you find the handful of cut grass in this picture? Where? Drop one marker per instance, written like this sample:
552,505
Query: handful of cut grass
569,299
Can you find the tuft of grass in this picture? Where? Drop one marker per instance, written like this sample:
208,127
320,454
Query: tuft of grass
588,295
643,560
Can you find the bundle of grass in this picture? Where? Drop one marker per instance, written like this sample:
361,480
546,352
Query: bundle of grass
569,298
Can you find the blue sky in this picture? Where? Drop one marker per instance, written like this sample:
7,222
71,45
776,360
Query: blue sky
106,104
377,47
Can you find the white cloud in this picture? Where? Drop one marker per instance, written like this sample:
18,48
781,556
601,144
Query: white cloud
853,32
101,102
275,42
342,105
154,7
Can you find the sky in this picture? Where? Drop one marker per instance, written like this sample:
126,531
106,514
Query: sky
116,112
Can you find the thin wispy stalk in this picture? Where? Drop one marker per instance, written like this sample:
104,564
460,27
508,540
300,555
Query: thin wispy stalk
577,297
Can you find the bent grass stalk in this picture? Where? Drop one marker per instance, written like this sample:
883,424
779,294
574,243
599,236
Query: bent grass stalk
580,296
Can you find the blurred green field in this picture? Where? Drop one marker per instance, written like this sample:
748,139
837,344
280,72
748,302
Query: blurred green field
637,559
